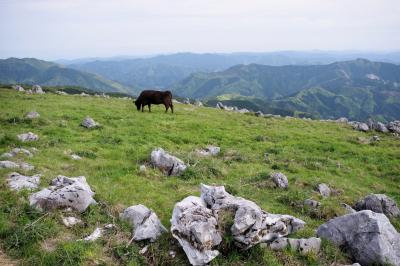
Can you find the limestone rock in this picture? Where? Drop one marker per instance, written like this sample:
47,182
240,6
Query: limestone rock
305,245
251,225
64,192
61,93
324,190
32,115
360,126
70,221
17,181
76,157
348,208
312,203
368,236
198,103
27,137
342,120
142,168
145,222
167,163
8,164
380,127
14,152
18,88
210,150
88,122
259,113
379,203
280,180
36,89
186,101
195,228
394,126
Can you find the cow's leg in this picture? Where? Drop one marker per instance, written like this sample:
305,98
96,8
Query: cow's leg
166,107
172,108
142,107
149,108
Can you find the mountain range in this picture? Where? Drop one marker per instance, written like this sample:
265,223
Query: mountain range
358,89
34,71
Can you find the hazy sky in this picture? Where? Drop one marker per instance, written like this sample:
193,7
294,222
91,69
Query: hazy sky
53,29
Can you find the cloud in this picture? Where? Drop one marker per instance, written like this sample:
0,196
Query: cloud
79,28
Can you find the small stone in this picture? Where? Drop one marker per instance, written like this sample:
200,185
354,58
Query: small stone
76,157
27,137
324,190
167,163
348,208
312,203
70,221
32,115
210,150
142,168
18,88
259,113
8,164
143,250
88,122
280,180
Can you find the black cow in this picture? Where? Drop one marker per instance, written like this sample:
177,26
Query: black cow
149,97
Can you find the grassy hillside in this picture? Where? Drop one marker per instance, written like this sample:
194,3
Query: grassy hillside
308,152
34,71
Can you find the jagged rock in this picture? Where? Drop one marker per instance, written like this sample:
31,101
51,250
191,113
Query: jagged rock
171,165
88,122
18,88
210,150
380,127
64,191
32,115
76,157
368,236
342,120
312,203
348,208
14,152
61,93
394,126
37,89
324,190
27,137
280,180
251,225
302,245
379,203
259,113
195,228
146,224
17,181
71,221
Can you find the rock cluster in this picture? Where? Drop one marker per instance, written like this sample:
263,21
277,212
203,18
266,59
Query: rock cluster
14,152
145,222
167,163
368,236
194,223
65,192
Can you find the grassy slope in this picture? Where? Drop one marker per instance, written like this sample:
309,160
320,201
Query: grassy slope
307,152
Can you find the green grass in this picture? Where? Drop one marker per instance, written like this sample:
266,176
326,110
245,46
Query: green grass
307,152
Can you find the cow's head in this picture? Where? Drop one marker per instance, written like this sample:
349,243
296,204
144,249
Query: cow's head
138,105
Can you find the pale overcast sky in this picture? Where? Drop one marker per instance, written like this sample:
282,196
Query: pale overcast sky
53,29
